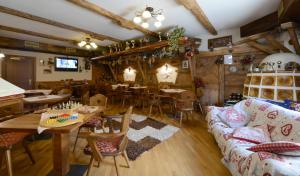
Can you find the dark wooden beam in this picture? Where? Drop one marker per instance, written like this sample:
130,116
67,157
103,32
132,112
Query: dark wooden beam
237,51
264,48
55,23
37,34
294,39
23,45
289,11
115,18
195,8
266,23
276,44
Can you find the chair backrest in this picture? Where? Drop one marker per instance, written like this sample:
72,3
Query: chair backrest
126,120
85,98
98,100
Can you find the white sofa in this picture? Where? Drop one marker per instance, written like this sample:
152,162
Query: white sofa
283,125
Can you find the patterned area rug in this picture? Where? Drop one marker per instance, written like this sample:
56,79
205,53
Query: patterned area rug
145,133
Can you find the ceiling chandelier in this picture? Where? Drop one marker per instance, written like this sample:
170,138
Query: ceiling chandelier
87,44
143,17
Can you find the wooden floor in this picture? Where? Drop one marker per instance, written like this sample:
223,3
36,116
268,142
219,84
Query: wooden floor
190,152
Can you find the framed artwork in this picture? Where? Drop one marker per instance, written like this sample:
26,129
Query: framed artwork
219,42
185,64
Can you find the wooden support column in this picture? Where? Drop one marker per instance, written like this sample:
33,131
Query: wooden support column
141,70
263,48
276,44
61,149
294,39
221,70
112,72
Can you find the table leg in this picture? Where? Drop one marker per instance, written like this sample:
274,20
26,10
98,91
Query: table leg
61,153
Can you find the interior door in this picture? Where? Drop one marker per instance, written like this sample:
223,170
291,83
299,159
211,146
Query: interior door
19,71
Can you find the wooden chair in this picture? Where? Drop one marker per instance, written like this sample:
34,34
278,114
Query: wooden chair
154,100
95,122
7,141
185,104
109,145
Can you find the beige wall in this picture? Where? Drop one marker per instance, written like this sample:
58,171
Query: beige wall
54,76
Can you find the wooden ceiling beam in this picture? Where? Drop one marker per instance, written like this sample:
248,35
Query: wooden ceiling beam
194,7
276,44
55,23
266,23
264,48
37,34
237,51
294,39
252,38
17,44
115,18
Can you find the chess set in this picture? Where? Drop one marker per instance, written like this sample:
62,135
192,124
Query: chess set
61,115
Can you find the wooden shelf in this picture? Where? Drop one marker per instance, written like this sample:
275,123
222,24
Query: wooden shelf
150,47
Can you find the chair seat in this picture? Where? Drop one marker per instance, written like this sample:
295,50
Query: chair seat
93,123
104,146
9,139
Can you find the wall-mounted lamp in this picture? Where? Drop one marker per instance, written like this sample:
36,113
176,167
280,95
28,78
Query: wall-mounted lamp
2,55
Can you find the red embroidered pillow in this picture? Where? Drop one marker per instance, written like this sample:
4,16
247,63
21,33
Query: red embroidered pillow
255,135
279,147
233,118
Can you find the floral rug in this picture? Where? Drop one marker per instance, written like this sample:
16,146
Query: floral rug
145,133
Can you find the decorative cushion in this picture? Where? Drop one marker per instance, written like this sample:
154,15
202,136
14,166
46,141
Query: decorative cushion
104,146
255,135
9,139
280,147
233,118
93,123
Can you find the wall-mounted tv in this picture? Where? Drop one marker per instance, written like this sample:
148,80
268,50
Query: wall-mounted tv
66,64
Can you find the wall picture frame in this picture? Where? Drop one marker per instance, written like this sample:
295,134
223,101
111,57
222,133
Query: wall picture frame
185,64
219,42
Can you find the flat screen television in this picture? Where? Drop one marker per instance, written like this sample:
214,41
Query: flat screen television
66,64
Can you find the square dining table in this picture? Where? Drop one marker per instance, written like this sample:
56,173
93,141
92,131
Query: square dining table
60,139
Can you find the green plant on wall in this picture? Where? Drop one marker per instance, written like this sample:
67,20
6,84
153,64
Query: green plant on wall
174,38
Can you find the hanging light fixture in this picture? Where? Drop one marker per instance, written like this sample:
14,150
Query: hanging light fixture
142,17
87,44
2,55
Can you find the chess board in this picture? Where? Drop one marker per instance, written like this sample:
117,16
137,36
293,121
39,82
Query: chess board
50,120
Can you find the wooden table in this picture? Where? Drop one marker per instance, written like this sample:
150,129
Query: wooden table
46,99
139,87
37,91
61,137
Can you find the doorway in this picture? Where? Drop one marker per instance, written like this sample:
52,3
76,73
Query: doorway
19,70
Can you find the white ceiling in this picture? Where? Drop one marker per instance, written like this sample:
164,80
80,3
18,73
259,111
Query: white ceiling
223,14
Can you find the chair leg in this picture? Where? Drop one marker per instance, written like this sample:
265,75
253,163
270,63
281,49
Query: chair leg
76,140
150,110
116,165
123,102
28,151
181,116
159,107
200,107
90,166
1,157
8,162
124,154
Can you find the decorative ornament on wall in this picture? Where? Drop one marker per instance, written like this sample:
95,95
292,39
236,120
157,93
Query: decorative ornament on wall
167,73
129,74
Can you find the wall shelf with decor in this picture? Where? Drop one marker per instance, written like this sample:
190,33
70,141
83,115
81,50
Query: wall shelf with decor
149,47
